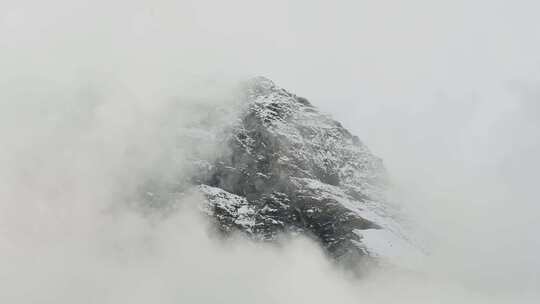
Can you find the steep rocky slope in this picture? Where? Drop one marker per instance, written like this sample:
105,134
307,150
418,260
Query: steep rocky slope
289,168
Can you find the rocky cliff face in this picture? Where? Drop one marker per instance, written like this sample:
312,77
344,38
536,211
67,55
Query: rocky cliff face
290,168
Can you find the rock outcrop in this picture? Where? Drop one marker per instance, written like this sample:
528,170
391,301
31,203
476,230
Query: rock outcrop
290,168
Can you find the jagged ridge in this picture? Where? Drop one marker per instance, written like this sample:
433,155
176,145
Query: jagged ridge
291,168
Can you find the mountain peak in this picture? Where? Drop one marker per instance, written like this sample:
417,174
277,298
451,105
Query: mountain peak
292,168
281,166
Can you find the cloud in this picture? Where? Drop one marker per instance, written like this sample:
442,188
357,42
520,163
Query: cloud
93,94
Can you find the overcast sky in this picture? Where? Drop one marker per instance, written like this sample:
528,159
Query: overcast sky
380,66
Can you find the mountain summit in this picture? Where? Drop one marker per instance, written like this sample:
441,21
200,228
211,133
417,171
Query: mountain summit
290,168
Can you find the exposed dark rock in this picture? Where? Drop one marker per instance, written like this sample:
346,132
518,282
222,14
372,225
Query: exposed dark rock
283,166
292,168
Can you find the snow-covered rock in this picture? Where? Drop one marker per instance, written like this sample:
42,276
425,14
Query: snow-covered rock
289,167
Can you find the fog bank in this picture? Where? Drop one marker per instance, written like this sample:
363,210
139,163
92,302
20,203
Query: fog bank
93,95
